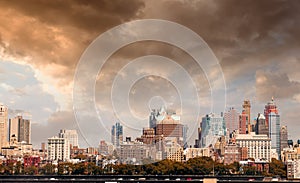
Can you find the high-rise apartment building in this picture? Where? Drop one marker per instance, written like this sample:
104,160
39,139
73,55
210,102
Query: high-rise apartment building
273,122
3,126
19,128
58,149
117,134
231,119
212,128
71,135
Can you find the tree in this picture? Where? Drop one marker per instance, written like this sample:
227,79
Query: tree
277,168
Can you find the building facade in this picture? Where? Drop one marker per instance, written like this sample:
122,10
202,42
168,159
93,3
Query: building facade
20,128
168,125
58,149
247,109
71,135
3,126
232,154
117,134
283,137
212,128
258,146
231,119
261,125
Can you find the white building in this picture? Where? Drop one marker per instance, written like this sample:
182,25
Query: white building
258,146
196,152
71,135
58,149
3,126
293,169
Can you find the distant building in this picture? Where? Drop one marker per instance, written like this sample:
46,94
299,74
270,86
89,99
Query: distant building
168,125
190,153
243,123
133,152
247,109
105,148
117,134
258,146
20,128
283,137
71,135
58,149
174,151
273,122
261,126
212,128
293,169
233,153
3,126
152,118
231,119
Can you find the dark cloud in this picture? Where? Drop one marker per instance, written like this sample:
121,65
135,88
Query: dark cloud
275,84
248,37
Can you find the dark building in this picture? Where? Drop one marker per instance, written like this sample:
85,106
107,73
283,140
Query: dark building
261,125
283,137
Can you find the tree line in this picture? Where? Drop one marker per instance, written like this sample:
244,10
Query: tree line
194,166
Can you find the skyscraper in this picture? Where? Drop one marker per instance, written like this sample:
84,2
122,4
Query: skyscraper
213,127
273,122
247,109
283,137
117,134
20,128
168,124
243,119
3,126
71,135
261,126
231,119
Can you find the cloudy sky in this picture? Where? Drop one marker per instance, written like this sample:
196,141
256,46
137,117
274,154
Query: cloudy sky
256,44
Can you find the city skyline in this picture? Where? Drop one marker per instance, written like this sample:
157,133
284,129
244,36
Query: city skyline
256,44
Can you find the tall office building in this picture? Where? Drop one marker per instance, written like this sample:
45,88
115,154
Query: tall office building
58,149
261,125
117,134
168,124
243,120
71,135
3,126
247,109
19,128
283,137
273,122
212,128
231,119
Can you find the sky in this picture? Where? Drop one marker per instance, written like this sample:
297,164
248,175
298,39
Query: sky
255,46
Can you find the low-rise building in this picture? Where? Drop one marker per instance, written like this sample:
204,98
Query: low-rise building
196,152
